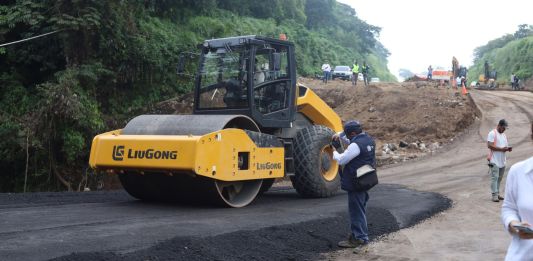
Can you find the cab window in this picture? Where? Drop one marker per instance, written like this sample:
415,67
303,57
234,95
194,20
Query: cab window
270,78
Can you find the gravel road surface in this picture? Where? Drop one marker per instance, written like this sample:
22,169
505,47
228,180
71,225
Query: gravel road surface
471,229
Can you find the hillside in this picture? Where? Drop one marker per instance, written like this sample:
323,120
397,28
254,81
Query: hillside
85,67
512,53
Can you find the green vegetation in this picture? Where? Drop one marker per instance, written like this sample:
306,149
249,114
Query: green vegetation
511,53
107,61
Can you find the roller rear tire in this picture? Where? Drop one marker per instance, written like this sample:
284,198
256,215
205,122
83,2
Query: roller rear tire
316,172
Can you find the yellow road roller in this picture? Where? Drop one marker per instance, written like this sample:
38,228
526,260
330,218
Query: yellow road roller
251,124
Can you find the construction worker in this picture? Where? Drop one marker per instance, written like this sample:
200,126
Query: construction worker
259,74
486,71
360,152
365,70
326,69
515,82
430,73
498,146
355,73
463,81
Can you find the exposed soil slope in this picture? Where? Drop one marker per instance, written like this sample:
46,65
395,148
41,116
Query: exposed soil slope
417,114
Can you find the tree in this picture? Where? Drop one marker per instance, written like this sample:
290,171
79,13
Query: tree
319,13
524,30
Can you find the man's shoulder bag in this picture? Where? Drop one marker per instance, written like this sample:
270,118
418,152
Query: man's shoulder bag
365,178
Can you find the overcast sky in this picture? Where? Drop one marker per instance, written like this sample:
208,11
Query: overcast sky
420,32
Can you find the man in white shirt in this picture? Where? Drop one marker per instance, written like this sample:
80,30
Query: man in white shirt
326,68
498,145
517,209
259,75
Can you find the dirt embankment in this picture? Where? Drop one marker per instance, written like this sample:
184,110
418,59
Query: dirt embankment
408,120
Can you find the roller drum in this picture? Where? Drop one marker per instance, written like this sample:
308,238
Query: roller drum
188,187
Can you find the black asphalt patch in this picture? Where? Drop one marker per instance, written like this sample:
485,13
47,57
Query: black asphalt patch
302,241
298,241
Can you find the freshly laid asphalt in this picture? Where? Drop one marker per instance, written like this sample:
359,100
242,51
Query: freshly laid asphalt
279,225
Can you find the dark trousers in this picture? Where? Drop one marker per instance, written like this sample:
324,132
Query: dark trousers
365,78
326,76
357,207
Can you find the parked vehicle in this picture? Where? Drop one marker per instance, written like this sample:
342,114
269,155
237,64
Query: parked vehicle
342,72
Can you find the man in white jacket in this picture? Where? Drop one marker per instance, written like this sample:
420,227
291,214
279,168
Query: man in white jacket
517,209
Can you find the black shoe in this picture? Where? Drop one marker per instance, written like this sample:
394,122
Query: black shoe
500,197
352,243
361,249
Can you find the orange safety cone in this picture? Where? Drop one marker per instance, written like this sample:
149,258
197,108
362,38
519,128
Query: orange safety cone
464,91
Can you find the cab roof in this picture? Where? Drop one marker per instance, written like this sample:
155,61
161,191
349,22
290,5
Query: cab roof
240,40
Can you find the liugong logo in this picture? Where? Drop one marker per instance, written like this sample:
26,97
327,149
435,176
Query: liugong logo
268,165
118,154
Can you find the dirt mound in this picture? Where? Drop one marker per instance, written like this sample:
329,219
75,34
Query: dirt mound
178,105
407,119
526,85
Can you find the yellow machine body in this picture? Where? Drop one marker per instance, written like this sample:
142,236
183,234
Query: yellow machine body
318,111
241,136
214,155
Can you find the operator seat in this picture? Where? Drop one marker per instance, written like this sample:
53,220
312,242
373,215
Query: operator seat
235,96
